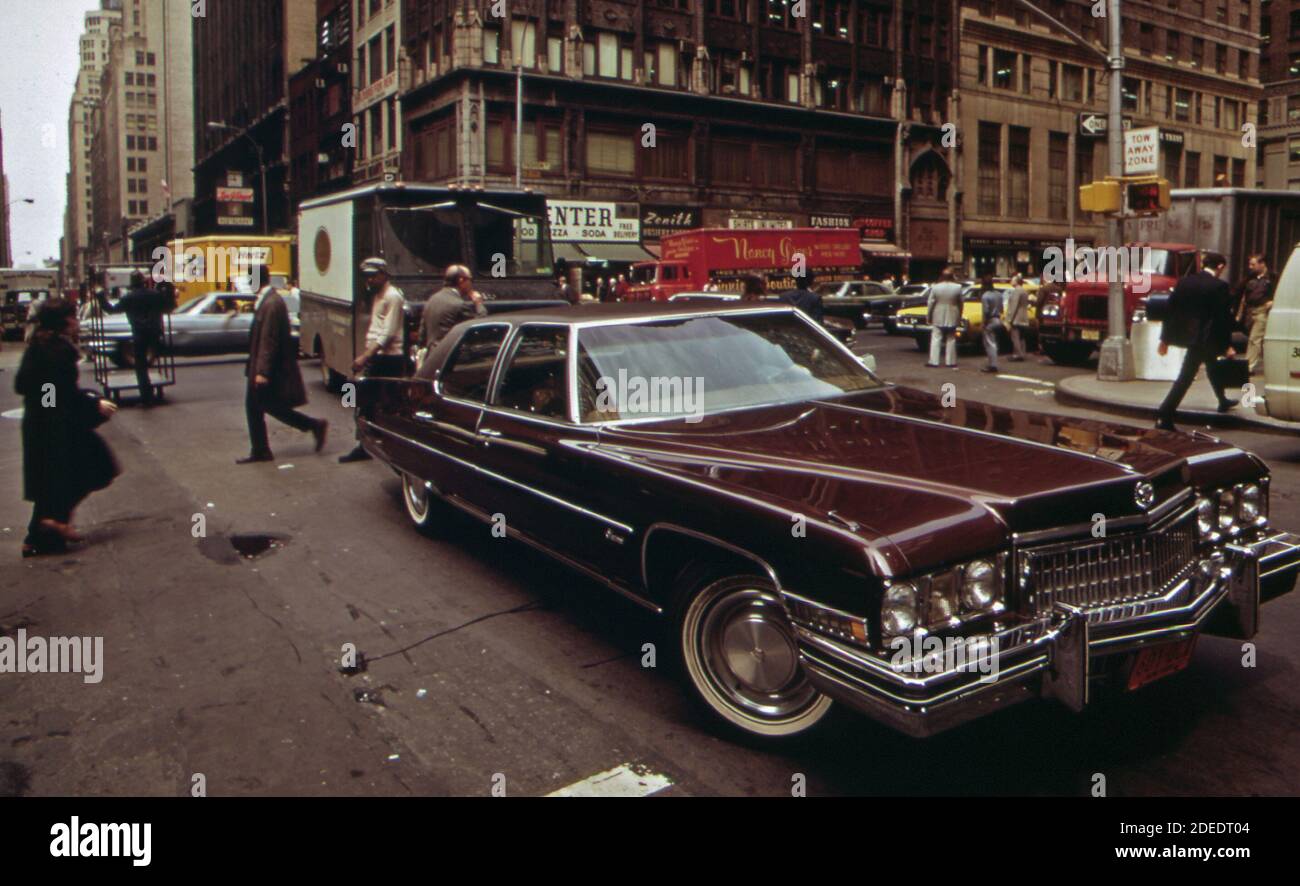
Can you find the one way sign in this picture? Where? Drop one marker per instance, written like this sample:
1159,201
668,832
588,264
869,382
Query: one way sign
1095,124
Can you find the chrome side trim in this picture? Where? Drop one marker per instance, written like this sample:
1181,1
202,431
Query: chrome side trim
502,478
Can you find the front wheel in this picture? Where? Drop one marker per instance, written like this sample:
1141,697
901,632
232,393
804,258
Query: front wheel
741,658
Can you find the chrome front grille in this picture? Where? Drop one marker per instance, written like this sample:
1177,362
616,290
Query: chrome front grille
1109,571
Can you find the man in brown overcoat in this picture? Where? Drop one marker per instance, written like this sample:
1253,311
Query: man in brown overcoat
275,385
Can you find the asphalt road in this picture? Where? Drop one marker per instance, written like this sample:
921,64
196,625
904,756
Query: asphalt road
489,666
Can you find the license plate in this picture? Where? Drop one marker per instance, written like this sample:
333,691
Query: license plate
1156,662
1092,335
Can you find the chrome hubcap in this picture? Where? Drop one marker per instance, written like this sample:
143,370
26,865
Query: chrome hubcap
750,656
417,497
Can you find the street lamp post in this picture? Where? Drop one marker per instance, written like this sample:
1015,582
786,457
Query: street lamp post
261,167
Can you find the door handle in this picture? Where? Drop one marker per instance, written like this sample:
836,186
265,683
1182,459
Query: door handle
425,416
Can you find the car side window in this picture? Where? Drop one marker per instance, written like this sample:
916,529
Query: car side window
465,374
536,378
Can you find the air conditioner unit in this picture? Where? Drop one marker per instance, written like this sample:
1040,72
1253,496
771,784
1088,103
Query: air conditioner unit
343,67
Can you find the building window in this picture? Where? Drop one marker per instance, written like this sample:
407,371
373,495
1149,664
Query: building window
1017,172
555,55
1183,105
1220,172
1238,172
1058,169
990,168
523,43
1173,158
1294,151
730,161
1072,83
1004,69
491,46
669,159
611,153
1130,94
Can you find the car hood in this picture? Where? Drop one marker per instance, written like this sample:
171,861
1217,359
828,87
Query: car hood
924,483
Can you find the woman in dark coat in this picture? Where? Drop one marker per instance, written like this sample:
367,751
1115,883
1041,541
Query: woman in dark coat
64,460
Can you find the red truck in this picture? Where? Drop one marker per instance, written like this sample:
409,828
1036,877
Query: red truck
1073,324
691,260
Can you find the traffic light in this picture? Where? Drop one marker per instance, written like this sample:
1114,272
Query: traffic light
1102,196
1148,195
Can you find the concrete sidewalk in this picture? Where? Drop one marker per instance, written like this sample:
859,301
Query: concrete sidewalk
1143,398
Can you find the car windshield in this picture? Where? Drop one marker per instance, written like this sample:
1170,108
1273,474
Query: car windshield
687,367
189,305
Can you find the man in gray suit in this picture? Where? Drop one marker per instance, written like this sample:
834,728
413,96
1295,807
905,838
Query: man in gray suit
1018,317
943,313
275,385
991,311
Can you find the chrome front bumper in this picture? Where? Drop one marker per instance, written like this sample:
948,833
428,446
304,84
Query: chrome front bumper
1058,655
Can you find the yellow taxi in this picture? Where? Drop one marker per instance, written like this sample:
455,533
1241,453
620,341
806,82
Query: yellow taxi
913,321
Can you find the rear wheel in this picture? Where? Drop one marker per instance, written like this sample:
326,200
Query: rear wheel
419,502
740,655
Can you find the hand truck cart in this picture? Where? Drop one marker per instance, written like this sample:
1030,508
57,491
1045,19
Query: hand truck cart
114,360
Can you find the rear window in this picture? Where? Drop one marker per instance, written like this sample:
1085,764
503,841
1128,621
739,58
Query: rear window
466,373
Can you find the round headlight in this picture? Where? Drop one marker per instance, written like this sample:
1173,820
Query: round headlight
979,585
1227,509
1249,502
898,612
1206,517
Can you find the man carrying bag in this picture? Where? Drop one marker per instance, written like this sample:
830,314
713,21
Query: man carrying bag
1199,319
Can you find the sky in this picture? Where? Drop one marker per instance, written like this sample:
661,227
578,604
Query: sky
39,72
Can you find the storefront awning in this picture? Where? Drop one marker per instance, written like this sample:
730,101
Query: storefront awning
883,250
570,253
616,252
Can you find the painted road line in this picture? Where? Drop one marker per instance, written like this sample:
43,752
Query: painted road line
620,781
1025,378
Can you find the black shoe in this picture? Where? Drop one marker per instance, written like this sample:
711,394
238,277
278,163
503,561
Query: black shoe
255,458
1226,405
319,432
358,454
1164,424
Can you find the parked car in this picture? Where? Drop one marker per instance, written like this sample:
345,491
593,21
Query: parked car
216,323
853,299
793,516
909,295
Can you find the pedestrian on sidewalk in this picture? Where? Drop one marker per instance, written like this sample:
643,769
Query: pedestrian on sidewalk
991,310
943,313
385,353
1018,317
275,385
64,460
804,298
1199,318
144,307
751,288
1256,302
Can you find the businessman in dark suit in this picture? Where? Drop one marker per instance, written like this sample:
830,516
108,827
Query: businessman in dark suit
144,308
1200,320
804,298
275,385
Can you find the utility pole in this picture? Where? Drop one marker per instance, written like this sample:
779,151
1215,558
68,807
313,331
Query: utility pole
1116,363
519,125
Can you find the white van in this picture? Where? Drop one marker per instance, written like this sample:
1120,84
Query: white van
1281,393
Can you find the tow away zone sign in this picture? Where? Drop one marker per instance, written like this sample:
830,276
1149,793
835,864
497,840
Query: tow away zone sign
1142,151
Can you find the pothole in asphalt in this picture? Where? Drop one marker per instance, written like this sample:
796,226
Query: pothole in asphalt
252,545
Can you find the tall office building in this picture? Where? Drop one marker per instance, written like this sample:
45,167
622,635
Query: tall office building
1031,102
1279,112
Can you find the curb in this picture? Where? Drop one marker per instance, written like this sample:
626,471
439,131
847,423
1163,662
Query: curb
1074,391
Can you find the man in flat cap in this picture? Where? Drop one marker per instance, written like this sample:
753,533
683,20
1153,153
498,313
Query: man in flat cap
385,353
